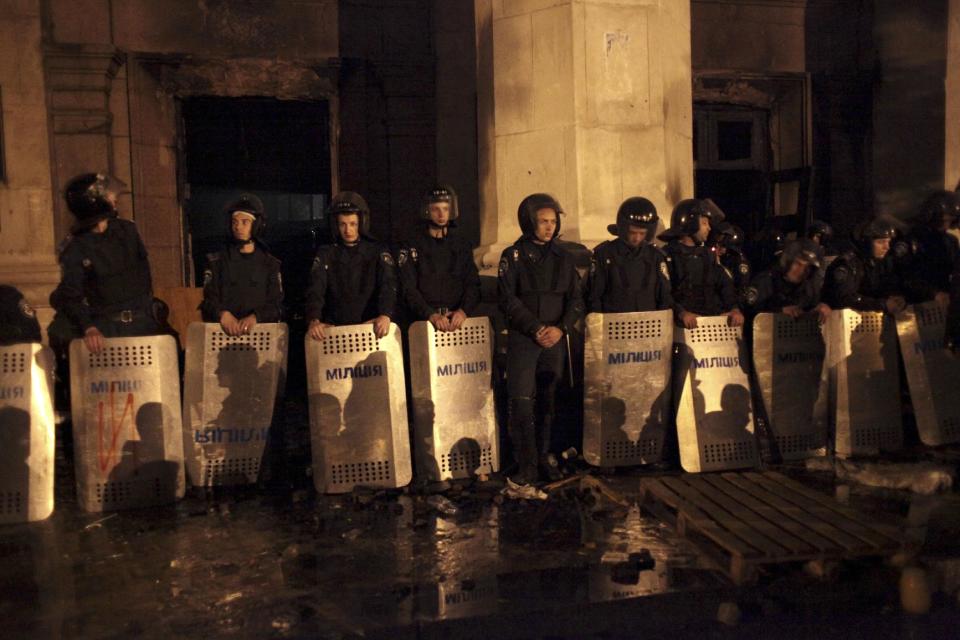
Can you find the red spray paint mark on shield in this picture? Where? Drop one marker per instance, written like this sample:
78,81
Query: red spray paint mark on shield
106,457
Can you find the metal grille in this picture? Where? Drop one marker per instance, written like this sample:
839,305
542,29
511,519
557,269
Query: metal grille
732,451
117,493
930,315
122,356
624,450
14,362
360,342
787,327
634,329
361,472
466,460
465,335
258,340
225,470
868,322
798,442
713,333
876,437
11,503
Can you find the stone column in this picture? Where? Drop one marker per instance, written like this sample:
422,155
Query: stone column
27,239
589,100
952,88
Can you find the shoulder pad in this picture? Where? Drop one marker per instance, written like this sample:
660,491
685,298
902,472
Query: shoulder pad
25,309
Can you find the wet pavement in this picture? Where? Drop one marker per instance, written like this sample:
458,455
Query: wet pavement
254,563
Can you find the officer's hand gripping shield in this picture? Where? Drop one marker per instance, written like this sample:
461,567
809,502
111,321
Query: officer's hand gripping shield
715,412
626,387
788,360
453,408
932,373
861,361
231,387
358,409
27,433
127,433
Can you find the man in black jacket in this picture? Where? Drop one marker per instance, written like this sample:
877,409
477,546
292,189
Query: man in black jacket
354,280
438,275
865,279
936,249
791,287
628,273
241,284
539,291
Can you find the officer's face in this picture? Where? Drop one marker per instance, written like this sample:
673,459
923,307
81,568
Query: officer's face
349,227
546,225
636,235
704,232
242,226
880,247
439,213
816,238
797,272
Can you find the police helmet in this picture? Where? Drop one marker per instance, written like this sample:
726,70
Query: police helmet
527,212
348,202
440,193
685,219
90,198
939,205
877,229
635,212
805,250
249,203
728,235
820,228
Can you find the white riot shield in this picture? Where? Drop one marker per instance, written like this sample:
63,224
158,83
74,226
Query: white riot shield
27,433
127,433
932,372
626,387
788,359
453,409
861,359
231,384
715,412
358,409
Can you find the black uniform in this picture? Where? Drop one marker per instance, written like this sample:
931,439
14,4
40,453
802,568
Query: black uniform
770,292
936,252
242,283
106,283
352,284
18,321
699,285
538,286
624,279
438,273
738,267
859,283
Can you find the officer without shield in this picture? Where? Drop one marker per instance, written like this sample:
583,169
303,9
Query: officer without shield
791,287
726,242
864,279
628,273
700,286
241,284
105,288
937,250
539,291
439,277
354,280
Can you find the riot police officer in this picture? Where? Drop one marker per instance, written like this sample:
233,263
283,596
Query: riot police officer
820,232
700,286
726,241
105,288
354,280
864,278
628,273
241,284
937,250
18,320
791,287
539,291
439,278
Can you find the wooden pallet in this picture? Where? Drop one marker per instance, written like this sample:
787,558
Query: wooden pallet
744,520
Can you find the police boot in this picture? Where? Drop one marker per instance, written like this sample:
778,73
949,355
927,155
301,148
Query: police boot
549,468
523,439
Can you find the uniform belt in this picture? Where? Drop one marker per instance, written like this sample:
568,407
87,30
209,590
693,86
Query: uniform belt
126,316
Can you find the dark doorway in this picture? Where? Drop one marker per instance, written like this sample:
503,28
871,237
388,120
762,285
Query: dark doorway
278,150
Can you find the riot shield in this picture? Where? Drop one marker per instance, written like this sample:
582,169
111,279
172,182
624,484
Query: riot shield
931,373
788,360
861,359
231,384
715,412
453,409
27,433
127,433
358,409
626,387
